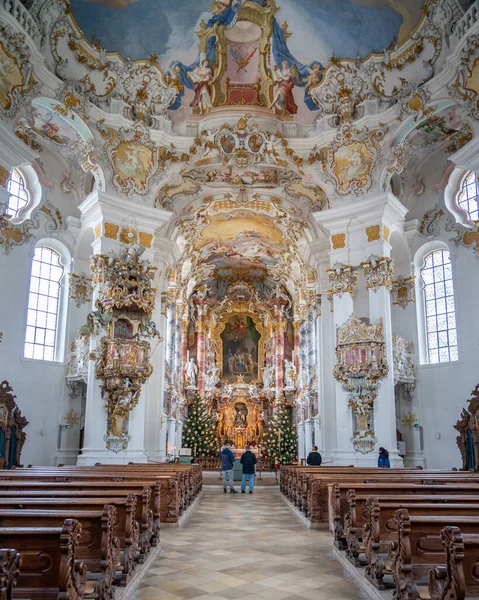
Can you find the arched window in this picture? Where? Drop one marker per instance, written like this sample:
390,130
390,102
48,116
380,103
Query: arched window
18,196
468,197
439,307
43,304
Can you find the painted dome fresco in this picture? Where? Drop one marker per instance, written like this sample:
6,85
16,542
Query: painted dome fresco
319,28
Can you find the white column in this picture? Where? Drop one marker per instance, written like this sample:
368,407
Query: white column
301,448
179,437
318,438
385,404
308,436
171,425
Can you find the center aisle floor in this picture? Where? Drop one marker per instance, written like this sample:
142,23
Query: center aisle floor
245,546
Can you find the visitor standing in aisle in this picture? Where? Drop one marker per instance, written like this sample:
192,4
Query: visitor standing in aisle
227,463
314,458
248,460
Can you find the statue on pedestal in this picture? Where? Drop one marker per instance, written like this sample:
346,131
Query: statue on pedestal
267,377
289,374
191,370
212,378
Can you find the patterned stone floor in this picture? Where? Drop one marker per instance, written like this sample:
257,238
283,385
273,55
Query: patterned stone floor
245,546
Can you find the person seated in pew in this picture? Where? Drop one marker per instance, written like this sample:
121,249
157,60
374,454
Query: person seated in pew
383,459
314,458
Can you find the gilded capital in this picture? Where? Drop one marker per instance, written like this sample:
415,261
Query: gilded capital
378,271
403,291
342,279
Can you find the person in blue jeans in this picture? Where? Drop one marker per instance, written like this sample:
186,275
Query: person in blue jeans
227,463
248,460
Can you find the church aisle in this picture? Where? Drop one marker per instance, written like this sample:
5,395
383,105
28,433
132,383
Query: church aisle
245,546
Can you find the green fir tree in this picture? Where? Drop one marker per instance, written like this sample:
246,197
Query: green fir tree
199,431
279,439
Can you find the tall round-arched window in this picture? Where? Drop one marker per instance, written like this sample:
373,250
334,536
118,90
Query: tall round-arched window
43,304
440,310
468,198
17,194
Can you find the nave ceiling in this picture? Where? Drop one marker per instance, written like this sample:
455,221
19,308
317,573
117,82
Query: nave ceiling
234,173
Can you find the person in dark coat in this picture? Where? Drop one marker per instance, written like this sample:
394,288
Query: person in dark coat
227,463
314,458
248,460
383,459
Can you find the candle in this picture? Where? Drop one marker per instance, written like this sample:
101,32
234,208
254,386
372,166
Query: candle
293,357
187,355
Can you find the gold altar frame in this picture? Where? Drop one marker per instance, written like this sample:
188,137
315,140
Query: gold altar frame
260,315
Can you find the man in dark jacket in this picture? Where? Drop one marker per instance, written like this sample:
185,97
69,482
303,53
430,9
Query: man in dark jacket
314,457
248,460
227,463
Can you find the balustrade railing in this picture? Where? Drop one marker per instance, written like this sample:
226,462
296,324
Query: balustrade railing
467,21
21,14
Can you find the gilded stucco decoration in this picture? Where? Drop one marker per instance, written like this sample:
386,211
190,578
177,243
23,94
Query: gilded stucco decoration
360,364
12,235
17,82
430,223
342,280
403,291
349,160
468,237
378,271
338,241
80,288
126,299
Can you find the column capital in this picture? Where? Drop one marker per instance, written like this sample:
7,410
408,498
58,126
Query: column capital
342,279
378,271
118,221
366,224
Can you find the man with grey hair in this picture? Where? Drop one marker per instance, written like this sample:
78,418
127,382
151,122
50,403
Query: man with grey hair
227,463
248,460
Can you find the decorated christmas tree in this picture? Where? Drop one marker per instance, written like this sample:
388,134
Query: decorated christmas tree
279,439
199,431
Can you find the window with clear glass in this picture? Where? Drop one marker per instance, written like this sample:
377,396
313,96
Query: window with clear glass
18,195
468,197
441,332
43,304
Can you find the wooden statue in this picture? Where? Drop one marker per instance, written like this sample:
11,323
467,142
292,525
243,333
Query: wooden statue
12,436
468,428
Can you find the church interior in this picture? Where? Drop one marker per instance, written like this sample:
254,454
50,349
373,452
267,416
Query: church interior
239,226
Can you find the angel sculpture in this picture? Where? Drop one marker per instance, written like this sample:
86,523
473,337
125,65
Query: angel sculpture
285,76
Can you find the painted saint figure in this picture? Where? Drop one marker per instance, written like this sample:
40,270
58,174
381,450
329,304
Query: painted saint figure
201,76
285,76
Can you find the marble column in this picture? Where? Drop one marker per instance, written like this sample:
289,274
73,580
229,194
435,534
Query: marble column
179,437
279,328
318,439
202,332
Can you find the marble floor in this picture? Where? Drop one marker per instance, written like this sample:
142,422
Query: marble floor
245,546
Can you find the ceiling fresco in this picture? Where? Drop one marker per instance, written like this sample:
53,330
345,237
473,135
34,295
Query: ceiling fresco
319,28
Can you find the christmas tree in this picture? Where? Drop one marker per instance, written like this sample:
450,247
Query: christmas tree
199,431
279,439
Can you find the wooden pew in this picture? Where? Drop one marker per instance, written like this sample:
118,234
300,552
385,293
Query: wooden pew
337,493
379,532
164,499
50,568
458,578
97,547
419,550
10,563
125,528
